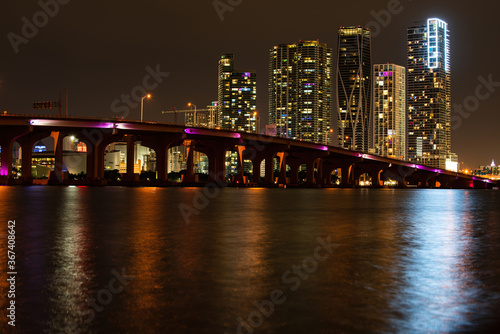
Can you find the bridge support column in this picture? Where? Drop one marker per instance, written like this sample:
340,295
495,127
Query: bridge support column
91,161
7,138
375,176
239,178
269,177
6,162
56,177
189,177
282,177
27,155
161,164
256,169
130,176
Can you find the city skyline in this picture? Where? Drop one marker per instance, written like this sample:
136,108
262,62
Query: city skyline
96,79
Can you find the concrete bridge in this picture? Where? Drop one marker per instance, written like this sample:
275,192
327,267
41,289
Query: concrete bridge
320,160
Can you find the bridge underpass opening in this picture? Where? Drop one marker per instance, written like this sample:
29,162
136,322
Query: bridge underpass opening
42,159
176,163
364,180
275,172
74,158
334,178
116,157
247,170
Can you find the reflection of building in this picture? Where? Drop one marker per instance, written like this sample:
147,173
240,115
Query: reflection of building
429,94
389,111
354,88
300,90
237,93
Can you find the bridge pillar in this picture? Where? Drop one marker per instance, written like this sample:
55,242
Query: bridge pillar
161,142
91,161
189,177
6,161
56,177
269,177
7,138
27,142
256,169
239,178
130,140
375,176
282,177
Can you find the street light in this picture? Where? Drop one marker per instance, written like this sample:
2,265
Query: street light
142,104
194,105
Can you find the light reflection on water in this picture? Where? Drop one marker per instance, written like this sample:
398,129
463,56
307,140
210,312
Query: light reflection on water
406,261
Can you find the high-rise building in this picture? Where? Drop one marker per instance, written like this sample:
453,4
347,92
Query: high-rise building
237,94
354,88
300,90
429,94
389,110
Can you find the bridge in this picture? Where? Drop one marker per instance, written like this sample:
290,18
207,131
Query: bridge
320,160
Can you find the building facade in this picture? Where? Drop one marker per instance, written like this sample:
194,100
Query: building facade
354,88
300,91
389,111
237,96
429,94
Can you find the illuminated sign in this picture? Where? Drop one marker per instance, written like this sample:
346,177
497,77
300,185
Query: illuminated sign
40,148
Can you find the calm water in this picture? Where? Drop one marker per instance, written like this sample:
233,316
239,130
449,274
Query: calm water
401,261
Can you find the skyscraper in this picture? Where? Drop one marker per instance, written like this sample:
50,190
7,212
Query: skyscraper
237,94
389,110
300,90
429,93
354,88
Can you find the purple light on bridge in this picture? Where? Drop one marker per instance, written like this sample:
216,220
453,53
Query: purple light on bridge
4,171
323,148
193,131
55,122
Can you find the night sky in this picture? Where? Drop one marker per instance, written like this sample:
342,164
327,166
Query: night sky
100,50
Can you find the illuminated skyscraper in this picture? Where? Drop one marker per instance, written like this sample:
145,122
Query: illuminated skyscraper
300,90
429,94
354,88
237,94
389,110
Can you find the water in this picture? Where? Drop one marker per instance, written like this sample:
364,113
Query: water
401,261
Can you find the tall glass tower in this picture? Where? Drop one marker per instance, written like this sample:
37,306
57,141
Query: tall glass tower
354,88
237,97
300,90
429,93
389,110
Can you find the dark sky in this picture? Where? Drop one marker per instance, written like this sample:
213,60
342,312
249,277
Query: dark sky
100,50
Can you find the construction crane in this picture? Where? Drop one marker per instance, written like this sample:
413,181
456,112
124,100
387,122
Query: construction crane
211,123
